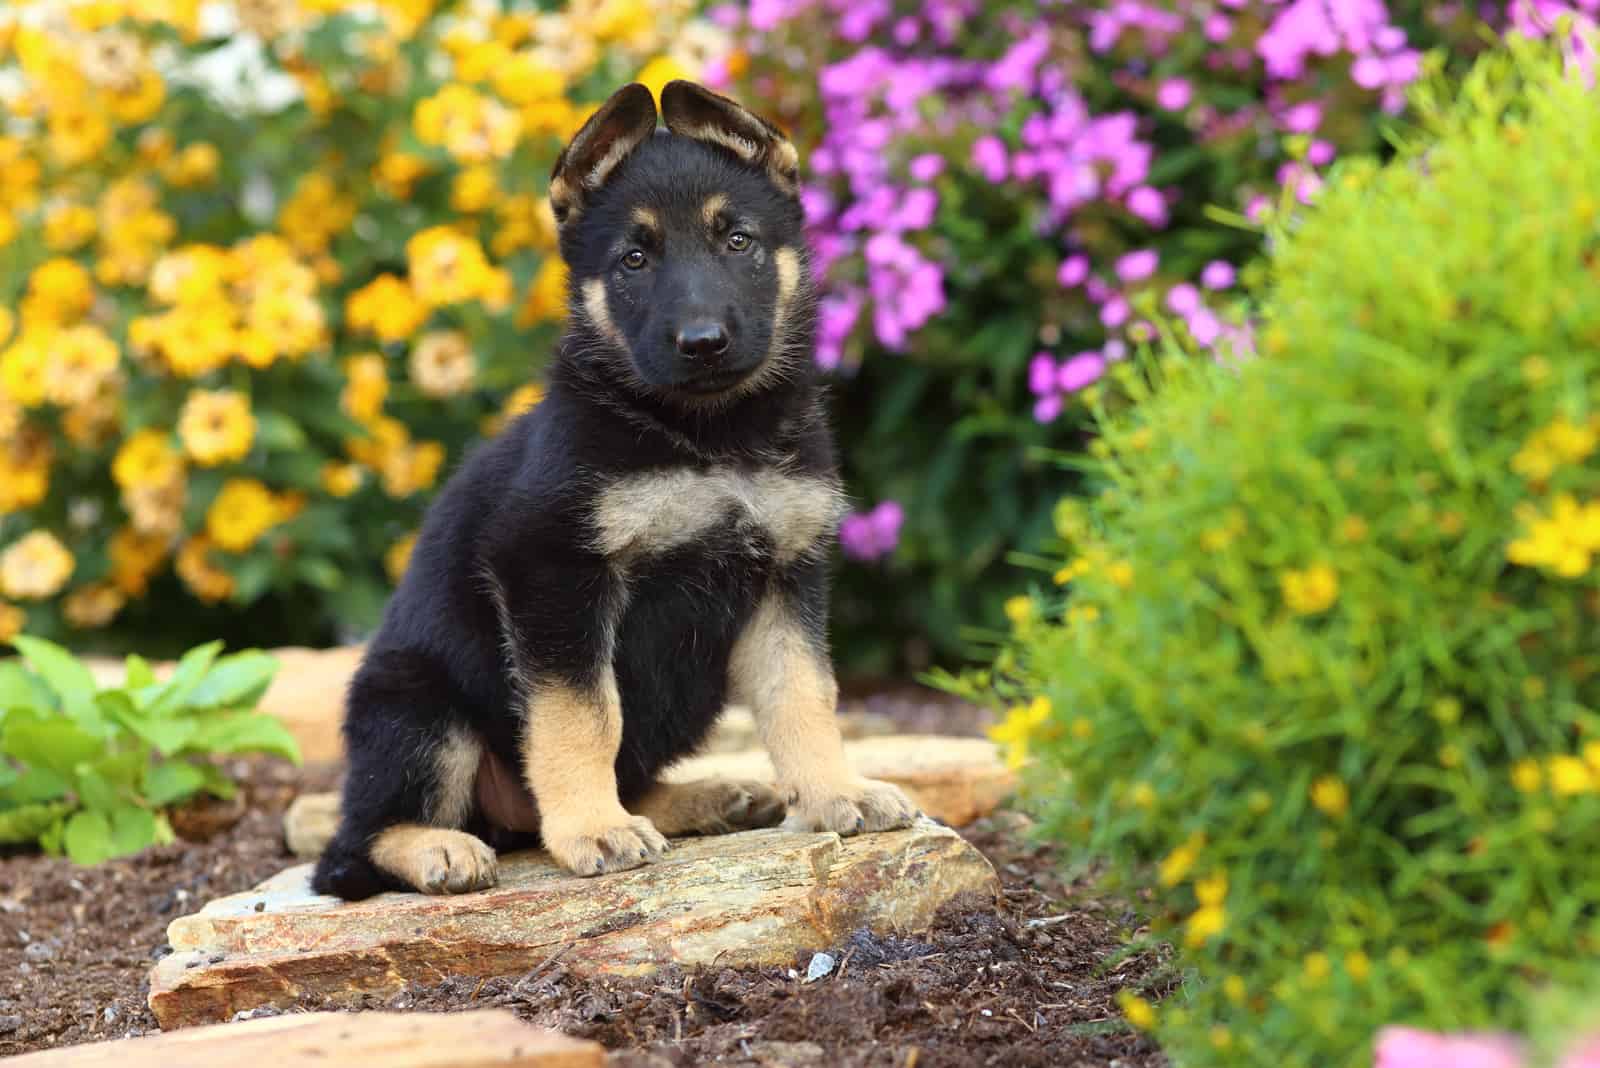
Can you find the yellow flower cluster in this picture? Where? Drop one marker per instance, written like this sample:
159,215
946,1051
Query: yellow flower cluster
1310,591
1551,447
235,333
1023,724
1563,542
1565,775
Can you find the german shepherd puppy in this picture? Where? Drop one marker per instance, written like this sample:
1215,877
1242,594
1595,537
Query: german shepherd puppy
648,543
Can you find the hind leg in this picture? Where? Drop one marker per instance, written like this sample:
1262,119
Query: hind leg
409,790
710,806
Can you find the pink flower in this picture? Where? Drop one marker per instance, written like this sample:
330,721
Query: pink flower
1174,94
989,156
1218,274
1137,266
1073,271
1405,1047
1115,312
1148,205
1041,374
1045,409
927,167
1080,371
1183,299
1205,326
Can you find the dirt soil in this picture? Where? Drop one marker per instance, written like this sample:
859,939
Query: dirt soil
1033,986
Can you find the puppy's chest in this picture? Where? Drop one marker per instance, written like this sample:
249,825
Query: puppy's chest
764,514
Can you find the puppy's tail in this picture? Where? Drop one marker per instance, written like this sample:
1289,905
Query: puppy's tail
345,870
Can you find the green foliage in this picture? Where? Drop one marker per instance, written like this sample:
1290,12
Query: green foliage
1326,674
87,771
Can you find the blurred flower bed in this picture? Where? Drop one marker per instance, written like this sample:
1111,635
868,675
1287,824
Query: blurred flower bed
266,268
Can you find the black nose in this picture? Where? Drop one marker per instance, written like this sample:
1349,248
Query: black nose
703,340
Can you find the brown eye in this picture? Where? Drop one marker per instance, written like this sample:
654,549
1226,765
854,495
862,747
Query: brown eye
738,241
633,260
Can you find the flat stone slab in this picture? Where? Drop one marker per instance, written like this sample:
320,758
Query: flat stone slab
757,898
954,780
487,1038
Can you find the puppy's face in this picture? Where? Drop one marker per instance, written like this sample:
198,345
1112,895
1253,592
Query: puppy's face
685,246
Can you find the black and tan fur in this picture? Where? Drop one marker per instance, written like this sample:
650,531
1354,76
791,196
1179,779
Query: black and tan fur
647,545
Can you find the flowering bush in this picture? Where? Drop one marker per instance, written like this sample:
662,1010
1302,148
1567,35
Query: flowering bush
266,268
1326,674
1001,195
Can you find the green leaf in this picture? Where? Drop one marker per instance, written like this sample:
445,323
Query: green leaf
139,673
88,837
18,689
279,433
167,735
217,783
95,792
252,577
68,679
191,671
35,785
28,823
58,745
132,829
171,781
236,681
245,732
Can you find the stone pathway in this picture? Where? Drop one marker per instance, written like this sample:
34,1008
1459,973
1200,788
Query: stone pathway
489,1038
751,899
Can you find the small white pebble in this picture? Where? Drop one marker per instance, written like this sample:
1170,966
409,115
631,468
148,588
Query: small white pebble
821,965
986,1012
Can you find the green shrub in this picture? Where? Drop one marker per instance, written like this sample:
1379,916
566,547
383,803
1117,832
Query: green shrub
1327,674
89,772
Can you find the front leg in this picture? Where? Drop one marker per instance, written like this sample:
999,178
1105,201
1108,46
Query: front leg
557,625
569,757
780,670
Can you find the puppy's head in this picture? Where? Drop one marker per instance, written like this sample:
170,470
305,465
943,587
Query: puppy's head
686,250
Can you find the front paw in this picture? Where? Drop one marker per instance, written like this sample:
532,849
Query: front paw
605,845
863,805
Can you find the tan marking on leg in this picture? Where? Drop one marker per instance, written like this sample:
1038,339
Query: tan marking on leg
789,686
595,306
710,806
647,219
434,860
455,771
569,755
715,205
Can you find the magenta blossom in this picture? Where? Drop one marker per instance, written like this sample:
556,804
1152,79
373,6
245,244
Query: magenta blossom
1218,274
1405,1047
872,535
1137,266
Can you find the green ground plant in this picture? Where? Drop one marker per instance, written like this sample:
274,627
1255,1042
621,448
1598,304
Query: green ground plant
1324,673
89,772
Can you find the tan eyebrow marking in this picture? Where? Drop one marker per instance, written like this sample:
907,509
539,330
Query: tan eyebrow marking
647,219
714,206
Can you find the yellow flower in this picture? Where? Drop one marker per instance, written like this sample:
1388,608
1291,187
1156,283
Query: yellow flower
1549,447
1317,966
1076,568
1234,988
78,130
291,322
1330,795
398,557
24,469
1564,542
134,558
411,468
147,458
442,364
659,71
207,581
526,78
547,296
1212,890
216,426
156,510
1569,775
1143,795
366,387
474,189
1019,610
387,308
7,321
1357,965
396,172
1310,591
341,480
1206,923
196,165
470,126
12,620
1177,864
35,566
315,213
93,605
447,267
23,364
82,360
1021,724
243,511
59,292
68,226
1526,776
1139,1012
1120,572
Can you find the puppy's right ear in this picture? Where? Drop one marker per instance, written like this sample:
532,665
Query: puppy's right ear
619,127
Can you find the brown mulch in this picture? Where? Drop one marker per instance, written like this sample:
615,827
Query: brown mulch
1032,986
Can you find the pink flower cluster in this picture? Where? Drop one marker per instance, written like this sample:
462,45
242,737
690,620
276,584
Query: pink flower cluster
873,534
1406,1047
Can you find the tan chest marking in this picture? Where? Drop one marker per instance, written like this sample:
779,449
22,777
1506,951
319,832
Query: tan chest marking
645,515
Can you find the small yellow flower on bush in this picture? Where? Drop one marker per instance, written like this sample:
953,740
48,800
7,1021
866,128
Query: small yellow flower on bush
35,566
216,426
1311,591
1331,796
242,512
398,557
1022,724
1563,542
1139,1012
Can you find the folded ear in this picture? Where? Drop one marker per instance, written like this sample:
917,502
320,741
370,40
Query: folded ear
694,111
619,127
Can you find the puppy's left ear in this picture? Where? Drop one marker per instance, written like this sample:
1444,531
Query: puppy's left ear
692,110
621,125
